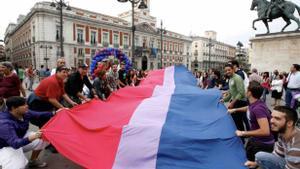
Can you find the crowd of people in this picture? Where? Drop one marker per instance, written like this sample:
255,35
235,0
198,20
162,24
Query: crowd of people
59,88
271,138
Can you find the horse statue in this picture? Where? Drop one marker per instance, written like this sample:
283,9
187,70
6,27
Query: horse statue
285,10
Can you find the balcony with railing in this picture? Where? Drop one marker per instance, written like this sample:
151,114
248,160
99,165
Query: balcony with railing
93,43
116,45
125,47
81,41
105,44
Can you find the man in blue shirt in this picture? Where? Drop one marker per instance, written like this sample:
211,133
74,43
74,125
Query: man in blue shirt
15,139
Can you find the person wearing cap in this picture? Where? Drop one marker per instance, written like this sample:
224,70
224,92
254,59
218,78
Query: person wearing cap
75,82
49,93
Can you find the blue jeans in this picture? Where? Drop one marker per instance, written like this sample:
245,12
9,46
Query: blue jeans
269,161
288,97
264,95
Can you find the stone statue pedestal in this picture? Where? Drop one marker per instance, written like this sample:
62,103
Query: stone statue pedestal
275,51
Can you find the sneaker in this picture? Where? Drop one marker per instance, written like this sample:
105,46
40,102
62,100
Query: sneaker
36,164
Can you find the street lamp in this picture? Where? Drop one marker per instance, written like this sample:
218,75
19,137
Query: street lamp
59,6
142,5
161,31
1,40
209,45
239,52
46,58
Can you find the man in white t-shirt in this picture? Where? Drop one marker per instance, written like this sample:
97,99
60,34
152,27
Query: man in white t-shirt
293,83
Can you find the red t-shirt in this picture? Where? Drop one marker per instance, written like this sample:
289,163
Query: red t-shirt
51,87
10,86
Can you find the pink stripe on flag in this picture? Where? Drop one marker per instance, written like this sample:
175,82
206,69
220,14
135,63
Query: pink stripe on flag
89,134
140,138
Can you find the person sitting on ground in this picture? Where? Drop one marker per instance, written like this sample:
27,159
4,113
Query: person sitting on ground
15,139
261,138
286,154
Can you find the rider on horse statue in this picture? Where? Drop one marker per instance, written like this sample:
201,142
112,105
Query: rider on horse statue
274,3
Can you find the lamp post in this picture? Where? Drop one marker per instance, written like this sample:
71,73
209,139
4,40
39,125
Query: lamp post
46,58
3,45
59,6
161,31
209,45
239,52
142,5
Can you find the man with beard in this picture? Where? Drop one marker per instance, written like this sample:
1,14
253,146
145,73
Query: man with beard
286,154
113,78
235,96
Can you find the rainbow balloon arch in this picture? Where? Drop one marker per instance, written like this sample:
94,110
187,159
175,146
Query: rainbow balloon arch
105,53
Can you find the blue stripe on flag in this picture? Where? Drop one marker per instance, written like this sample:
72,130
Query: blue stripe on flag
198,132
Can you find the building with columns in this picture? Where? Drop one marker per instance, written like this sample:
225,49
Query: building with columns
2,53
207,52
35,39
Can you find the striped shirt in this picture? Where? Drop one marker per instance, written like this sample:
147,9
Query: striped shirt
290,150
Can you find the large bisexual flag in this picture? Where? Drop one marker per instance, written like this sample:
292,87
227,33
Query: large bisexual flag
165,123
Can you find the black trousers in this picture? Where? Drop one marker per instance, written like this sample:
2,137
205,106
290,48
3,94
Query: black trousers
39,105
240,118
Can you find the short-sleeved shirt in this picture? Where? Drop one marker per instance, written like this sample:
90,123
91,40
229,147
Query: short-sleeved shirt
51,87
10,86
294,80
21,73
260,110
122,76
75,84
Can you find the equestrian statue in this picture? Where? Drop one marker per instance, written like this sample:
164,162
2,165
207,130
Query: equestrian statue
267,11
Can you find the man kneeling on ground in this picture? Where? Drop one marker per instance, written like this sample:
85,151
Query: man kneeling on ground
15,139
286,154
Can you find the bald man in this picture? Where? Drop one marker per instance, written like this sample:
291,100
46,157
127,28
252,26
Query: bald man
59,62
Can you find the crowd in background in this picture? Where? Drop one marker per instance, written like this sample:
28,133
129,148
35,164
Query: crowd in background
261,130
271,138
